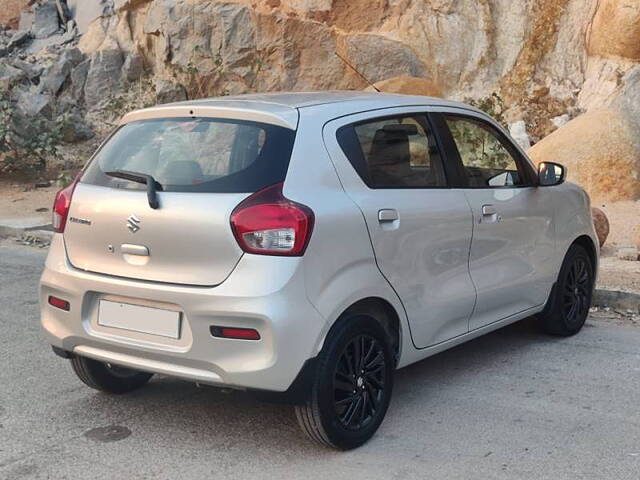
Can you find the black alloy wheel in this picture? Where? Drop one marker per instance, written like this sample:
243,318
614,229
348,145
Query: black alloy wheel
568,306
352,384
358,383
576,296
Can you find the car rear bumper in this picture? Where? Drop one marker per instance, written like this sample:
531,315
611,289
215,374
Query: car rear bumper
264,293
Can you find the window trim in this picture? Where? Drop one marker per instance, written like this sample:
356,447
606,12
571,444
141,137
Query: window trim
523,165
426,124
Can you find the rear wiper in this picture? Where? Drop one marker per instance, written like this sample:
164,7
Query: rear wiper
152,185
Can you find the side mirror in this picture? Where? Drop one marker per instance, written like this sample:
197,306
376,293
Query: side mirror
550,174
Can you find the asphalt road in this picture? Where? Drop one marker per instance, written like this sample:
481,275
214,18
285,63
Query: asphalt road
513,404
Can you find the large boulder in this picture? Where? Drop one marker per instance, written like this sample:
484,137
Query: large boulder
616,30
32,104
103,77
46,21
55,76
408,86
601,150
74,127
9,76
78,79
19,38
601,225
31,70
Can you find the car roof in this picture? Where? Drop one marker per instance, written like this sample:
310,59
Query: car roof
311,99
281,108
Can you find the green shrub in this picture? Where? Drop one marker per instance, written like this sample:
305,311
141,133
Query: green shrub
493,105
140,94
479,148
26,144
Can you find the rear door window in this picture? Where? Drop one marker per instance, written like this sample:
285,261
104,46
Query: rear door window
195,155
394,152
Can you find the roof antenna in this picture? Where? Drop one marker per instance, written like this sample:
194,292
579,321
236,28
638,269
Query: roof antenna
356,70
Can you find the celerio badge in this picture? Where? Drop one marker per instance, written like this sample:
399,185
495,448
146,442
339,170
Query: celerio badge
133,224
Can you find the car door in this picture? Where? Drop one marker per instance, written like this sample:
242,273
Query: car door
511,259
391,166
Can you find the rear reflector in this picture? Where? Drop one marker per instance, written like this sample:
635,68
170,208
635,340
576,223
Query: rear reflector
237,333
59,303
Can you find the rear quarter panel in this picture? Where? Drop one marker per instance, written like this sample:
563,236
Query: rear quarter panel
339,264
572,218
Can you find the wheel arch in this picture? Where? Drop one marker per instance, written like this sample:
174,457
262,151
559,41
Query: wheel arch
378,309
553,317
587,243
384,313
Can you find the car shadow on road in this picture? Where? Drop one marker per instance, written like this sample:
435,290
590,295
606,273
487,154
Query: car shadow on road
176,412
479,354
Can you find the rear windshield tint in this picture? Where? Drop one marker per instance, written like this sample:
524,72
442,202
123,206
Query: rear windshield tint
208,155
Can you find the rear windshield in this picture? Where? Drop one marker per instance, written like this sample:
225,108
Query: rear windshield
207,155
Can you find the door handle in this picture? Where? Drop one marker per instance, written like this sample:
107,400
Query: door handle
387,215
129,249
488,210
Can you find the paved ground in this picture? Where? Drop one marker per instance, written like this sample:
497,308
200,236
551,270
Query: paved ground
514,404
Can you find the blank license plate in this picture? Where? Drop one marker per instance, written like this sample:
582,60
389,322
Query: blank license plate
154,321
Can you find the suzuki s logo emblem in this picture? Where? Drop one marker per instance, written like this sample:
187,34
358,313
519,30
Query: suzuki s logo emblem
133,224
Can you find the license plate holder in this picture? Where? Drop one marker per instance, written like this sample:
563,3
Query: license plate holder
140,318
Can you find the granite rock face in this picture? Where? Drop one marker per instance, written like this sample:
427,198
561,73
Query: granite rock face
168,92
568,71
534,53
409,85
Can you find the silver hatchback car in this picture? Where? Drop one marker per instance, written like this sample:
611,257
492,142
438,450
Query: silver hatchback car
303,246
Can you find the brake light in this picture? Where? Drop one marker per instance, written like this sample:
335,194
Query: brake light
61,206
267,223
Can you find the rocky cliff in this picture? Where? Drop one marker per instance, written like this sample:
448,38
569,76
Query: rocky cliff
568,68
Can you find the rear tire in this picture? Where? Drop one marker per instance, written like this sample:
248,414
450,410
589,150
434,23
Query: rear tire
108,378
352,387
570,300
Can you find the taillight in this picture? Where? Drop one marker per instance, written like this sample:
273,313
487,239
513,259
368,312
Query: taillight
267,223
61,206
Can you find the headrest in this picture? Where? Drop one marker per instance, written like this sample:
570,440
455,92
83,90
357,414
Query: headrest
390,145
181,173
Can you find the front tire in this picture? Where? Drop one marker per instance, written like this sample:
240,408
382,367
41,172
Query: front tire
108,378
352,387
570,301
